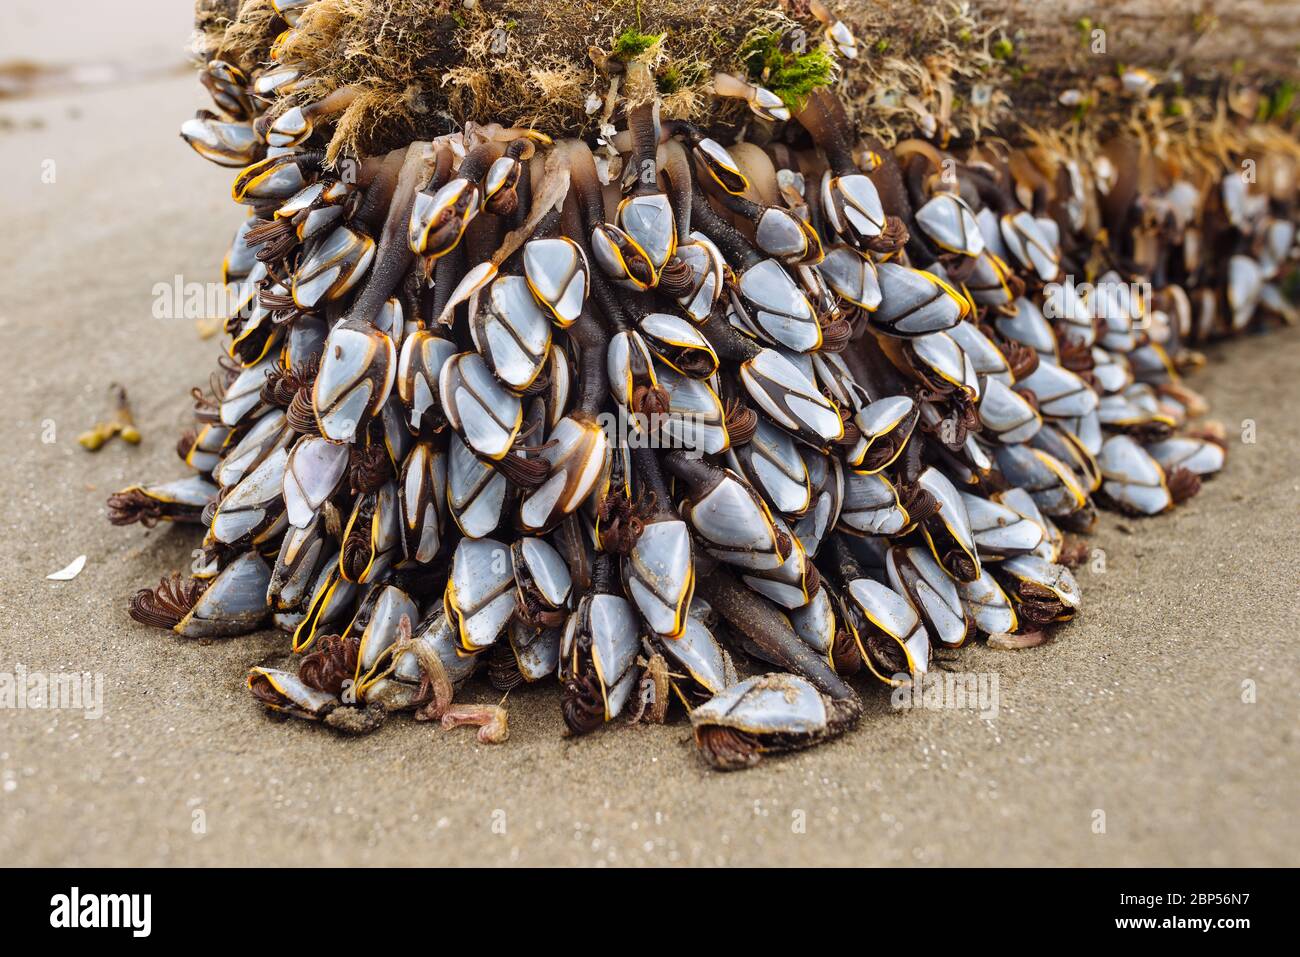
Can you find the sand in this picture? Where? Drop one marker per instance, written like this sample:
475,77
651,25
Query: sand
1135,710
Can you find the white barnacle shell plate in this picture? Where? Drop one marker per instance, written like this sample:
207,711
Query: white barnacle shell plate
1060,393
852,204
766,704
648,219
336,265
266,434
1061,301
1025,239
951,224
778,307
953,513
577,452
772,461
894,615
933,591
939,352
787,584
556,270
706,264
511,333
1133,477
381,631
478,406
670,335
1195,455
476,492
418,371
244,393
815,623
299,695
695,418
355,378
246,507
1055,488
998,530
779,233
480,594
1029,328
790,399
699,653
233,604
852,276
914,303
871,505
537,561
615,642
1007,414
1058,578
660,575
986,602
312,474
735,524
985,357
422,501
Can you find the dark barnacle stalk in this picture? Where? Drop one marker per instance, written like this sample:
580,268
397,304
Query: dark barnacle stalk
850,200
758,619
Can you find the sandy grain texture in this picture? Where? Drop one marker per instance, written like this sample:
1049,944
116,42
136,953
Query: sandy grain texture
1135,710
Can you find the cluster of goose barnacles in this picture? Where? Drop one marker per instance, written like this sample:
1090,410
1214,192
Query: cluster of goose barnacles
797,400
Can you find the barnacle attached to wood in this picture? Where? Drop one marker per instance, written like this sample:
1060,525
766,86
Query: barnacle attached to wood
639,353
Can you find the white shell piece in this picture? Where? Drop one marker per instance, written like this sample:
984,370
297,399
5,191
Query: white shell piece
778,307
1029,328
1132,477
871,505
852,276
615,642
268,432
985,357
734,524
1007,414
934,593
660,575
476,492
790,398
953,513
772,461
545,568
913,303
766,704
815,622
951,225
1196,455
356,376
246,507
1060,393
478,406
699,653
557,270
511,332
480,591
244,394
233,604
999,530
1048,574
312,474
381,631
1023,236
986,602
